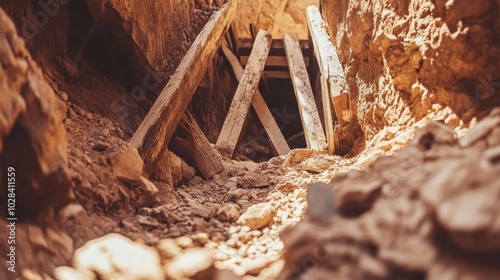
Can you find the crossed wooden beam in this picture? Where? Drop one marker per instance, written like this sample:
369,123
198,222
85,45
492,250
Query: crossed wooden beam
170,109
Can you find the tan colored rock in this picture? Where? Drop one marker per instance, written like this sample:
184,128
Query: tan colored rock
200,238
116,257
257,216
192,262
69,273
168,249
227,213
127,164
184,242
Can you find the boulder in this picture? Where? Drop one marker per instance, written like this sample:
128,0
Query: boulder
117,257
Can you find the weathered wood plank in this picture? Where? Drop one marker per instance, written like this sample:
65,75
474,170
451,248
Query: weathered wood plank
233,125
197,145
313,131
277,139
154,133
327,115
329,64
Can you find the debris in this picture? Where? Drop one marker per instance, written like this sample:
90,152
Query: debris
227,213
127,164
257,216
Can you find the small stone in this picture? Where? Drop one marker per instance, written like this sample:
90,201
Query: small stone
184,242
199,210
168,249
149,192
227,213
215,208
64,96
200,238
254,181
72,210
197,180
257,216
232,185
190,264
71,114
238,194
118,257
127,164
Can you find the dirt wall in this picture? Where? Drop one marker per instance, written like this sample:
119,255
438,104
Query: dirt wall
276,16
414,60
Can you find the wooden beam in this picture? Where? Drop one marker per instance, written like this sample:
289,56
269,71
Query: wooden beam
277,139
313,131
154,133
329,65
249,83
198,147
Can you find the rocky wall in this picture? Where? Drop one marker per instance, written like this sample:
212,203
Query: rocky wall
276,16
33,152
417,60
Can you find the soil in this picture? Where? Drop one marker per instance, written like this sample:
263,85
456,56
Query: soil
413,196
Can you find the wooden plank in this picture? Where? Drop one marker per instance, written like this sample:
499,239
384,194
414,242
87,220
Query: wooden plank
327,116
311,122
154,133
198,147
249,83
329,65
277,139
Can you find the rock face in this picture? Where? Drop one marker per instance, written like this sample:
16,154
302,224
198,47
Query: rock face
431,211
116,257
32,135
33,142
151,38
276,16
409,60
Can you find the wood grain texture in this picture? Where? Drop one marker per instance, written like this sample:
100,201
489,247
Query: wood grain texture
329,64
238,111
311,122
154,133
277,139
197,145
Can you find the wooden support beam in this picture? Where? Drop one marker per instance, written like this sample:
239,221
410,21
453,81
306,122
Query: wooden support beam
329,64
277,139
154,133
249,83
198,147
315,137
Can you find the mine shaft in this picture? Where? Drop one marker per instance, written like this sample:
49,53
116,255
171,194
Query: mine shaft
266,139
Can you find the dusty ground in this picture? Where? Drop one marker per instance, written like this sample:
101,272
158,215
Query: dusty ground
419,201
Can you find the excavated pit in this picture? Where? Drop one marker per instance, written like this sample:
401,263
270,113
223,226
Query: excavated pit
411,194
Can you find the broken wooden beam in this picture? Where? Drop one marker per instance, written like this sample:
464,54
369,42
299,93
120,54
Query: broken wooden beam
276,138
311,122
154,133
206,159
249,83
330,67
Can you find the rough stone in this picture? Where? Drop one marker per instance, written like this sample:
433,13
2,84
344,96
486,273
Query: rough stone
116,257
227,213
257,216
127,164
